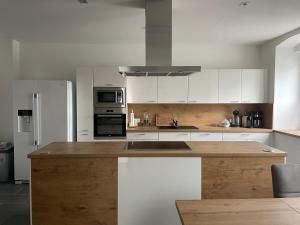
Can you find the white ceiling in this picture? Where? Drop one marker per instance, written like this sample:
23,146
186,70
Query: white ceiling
121,21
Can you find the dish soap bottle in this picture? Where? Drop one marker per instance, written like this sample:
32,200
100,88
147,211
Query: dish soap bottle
131,124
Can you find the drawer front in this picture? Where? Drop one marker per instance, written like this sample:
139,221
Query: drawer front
142,136
84,135
200,136
174,136
259,137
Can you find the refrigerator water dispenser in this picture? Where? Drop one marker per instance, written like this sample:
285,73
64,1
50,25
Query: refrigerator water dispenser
25,123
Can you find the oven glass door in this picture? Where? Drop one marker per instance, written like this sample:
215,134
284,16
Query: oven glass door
106,97
110,125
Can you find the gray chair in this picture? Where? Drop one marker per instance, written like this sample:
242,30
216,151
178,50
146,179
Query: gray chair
286,180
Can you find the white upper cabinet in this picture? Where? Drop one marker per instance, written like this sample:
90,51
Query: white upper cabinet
253,86
204,87
108,77
173,89
85,110
230,86
142,89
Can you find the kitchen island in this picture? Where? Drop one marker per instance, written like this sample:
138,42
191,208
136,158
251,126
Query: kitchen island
104,183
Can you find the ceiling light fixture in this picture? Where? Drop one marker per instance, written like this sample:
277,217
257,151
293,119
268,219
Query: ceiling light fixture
244,3
83,1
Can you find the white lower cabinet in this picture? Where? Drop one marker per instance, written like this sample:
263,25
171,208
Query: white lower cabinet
265,138
148,188
200,136
142,136
174,136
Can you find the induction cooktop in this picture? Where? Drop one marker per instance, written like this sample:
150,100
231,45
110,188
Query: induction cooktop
157,146
179,127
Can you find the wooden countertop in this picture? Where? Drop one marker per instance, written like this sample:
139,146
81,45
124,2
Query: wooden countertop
118,149
240,212
211,129
294,133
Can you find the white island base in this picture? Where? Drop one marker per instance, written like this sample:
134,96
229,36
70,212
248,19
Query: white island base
149,186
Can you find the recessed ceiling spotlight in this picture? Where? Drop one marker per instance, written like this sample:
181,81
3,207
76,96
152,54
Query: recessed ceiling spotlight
83,1
244,3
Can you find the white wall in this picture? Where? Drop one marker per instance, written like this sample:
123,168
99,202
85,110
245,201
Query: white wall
283,66
268,53
287,89
288,144
58,61
211,55
8,72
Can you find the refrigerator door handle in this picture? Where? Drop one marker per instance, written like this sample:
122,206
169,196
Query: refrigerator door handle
36,119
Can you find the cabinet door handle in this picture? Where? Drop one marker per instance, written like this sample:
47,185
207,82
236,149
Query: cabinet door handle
141,134
151,101
193,101
247,101
204,134
234,101
245,135
84,134
108,85
84,130
182,134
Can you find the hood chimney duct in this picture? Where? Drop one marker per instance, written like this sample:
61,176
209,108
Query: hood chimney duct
158,32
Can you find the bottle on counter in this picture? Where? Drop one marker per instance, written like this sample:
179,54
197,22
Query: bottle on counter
146,122
132,122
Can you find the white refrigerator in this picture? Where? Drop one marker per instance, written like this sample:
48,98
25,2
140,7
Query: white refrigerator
42,113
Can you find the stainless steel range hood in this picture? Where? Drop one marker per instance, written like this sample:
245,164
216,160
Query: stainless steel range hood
158,44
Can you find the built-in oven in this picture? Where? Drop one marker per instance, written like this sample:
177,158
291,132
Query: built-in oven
109,97
109,123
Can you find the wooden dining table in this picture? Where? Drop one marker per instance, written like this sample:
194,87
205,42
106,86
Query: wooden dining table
267,211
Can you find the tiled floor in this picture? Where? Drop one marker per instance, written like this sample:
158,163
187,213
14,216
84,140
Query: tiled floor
14,204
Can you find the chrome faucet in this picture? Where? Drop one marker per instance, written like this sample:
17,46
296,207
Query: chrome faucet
175,123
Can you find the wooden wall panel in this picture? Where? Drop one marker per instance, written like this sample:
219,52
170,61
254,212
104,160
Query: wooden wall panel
74,191
201,115
226,178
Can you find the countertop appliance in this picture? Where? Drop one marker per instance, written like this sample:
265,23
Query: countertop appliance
247,120
157,146
158,44
109,97
236,122
257,118
42,113
109,123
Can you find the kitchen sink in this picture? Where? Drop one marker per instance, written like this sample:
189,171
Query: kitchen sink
178,127
157,146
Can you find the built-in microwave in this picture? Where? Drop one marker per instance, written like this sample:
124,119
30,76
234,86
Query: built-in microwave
109,97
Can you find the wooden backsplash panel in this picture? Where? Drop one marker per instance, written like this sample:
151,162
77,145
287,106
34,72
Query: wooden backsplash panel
201,114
